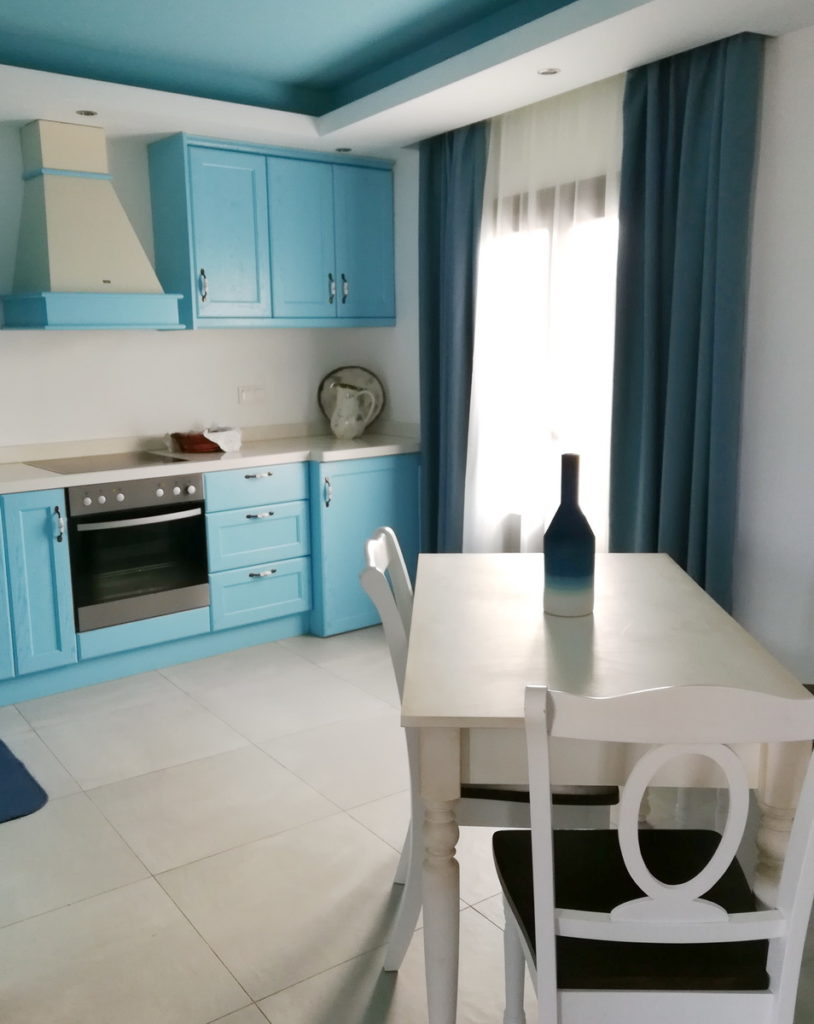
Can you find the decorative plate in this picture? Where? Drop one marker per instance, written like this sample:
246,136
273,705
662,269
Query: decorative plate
356,376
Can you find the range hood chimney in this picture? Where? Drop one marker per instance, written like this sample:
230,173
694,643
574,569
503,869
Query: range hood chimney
79,261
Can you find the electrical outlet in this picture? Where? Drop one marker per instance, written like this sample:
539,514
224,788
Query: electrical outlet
250,394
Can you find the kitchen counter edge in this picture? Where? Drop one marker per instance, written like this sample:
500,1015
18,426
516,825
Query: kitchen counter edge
19,476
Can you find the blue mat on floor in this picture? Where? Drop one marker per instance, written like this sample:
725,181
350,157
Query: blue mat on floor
20,793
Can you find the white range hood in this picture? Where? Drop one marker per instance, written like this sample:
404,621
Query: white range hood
79,263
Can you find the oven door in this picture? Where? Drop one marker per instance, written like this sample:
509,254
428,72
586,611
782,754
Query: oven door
136,565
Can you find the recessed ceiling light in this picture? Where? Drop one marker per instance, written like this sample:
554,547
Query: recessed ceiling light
549,71
87,113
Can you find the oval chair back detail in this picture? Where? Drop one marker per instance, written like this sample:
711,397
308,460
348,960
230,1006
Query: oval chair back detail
387,583
656,924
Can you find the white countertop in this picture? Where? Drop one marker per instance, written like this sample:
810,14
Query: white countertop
19,476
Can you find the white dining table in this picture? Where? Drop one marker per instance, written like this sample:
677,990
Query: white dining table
479,636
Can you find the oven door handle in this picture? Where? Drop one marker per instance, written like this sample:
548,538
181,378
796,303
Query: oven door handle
119,524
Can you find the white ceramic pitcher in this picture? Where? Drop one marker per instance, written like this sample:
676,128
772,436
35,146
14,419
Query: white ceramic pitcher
353,411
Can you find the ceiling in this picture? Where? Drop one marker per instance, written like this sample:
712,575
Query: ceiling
369,74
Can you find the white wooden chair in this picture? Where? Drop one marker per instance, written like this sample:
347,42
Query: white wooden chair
641,926
387,583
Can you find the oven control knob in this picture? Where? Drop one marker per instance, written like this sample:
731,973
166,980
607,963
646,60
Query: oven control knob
101,499
190,489
176,490
87,500
159,492
119,495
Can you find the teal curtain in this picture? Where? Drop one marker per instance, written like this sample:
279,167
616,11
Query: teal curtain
453,169
690,127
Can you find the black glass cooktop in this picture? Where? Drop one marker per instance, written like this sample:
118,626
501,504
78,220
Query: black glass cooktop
105,463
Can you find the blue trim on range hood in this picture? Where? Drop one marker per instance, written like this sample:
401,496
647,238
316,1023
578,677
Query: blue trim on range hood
74,311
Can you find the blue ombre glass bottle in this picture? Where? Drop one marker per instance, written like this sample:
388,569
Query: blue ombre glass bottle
569,547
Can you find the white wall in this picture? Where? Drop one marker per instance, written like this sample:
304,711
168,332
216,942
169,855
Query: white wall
774,579
77,385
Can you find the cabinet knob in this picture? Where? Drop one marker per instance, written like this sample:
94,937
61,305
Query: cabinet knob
327,492
345,289
259,515
204,285
331,288
265,572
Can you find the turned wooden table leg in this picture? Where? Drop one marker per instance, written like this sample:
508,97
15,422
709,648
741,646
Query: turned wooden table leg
783,772
440,788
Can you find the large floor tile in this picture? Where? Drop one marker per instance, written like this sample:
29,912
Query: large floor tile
269,691
63,853
127,957
387,818
26,745
181,814
117,742
248,1015
351,762
359,992
282,909
360,657
11,722
102,698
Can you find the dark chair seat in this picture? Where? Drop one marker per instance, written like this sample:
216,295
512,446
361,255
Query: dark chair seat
561,796
590,875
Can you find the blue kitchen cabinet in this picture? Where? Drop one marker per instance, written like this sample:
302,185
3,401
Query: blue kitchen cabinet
349,500
6,649
257,236
230,241
331,240
258,544
39,580
363,226
303,266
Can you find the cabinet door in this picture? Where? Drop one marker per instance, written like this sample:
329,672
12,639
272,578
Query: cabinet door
229,210
6,651
349,500
302,238
39,580
363,219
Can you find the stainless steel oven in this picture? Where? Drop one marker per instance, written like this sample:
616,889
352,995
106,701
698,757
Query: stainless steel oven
138,549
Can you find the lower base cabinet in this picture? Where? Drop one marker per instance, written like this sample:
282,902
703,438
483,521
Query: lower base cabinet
349,500
6,650
39,576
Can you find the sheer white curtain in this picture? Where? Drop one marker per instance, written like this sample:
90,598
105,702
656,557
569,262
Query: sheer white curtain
543,361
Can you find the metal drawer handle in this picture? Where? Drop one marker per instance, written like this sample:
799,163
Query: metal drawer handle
60,524
259,515
257,476
259,575
345,289
327,492
331,288
204,285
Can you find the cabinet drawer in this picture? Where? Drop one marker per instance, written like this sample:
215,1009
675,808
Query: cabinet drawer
264,533
258,592
256,485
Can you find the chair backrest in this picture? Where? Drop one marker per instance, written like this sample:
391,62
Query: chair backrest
714,723
387,583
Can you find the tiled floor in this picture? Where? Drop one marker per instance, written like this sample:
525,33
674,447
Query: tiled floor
219,846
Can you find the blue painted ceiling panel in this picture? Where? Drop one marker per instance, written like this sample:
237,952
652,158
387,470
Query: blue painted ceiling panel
307,56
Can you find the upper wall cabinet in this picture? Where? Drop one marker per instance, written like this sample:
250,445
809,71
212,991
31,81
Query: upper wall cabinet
331,239
256,237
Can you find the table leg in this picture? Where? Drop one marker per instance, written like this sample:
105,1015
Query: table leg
784,768
440,788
